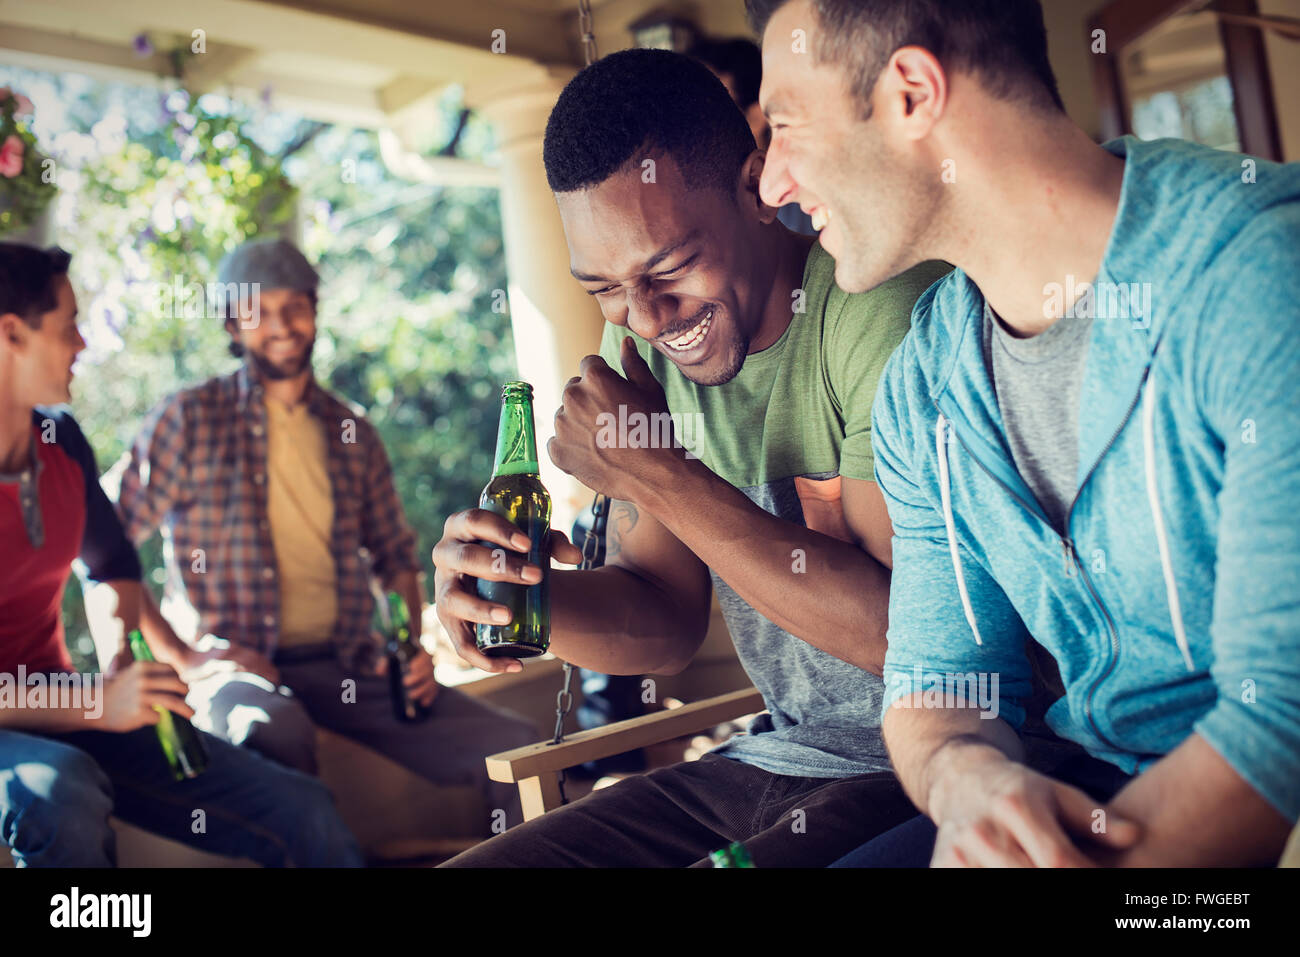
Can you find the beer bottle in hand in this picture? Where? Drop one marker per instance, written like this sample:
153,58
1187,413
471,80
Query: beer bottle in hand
181,744
400,650
516,492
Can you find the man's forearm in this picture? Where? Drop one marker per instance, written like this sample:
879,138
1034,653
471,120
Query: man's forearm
113,610
49,720
163,641
830,593
1196,811
616,622
929,747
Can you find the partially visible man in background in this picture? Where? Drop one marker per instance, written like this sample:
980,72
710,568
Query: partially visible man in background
277,504
738,63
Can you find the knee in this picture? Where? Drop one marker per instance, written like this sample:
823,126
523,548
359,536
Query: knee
288,737
273,724
56,810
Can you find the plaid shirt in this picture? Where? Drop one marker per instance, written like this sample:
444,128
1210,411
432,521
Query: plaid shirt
198,472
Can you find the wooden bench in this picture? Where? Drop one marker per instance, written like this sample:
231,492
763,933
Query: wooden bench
536,768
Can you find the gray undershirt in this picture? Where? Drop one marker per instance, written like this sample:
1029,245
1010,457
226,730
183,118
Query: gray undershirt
1037,381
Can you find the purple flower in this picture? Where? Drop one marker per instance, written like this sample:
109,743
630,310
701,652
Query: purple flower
142,45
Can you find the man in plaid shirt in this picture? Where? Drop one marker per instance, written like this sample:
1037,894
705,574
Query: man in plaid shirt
276,503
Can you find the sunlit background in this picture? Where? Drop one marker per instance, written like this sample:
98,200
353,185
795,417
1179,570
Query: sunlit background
154,186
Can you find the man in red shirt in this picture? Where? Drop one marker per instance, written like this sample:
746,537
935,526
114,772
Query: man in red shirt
75,748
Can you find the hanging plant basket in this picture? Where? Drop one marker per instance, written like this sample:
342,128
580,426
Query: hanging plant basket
39,232
26,177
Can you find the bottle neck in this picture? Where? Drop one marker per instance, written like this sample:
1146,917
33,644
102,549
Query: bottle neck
516,439
139,648
399,620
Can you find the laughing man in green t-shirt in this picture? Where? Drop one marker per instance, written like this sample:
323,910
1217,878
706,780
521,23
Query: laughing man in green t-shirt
720,316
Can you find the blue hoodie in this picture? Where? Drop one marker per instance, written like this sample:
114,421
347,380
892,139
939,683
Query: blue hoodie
1172,605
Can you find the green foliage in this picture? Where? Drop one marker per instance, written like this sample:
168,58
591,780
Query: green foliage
405,325
153,217
408,328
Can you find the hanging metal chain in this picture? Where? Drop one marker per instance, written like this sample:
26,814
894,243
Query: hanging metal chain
563,704
599,507
585,32
590,549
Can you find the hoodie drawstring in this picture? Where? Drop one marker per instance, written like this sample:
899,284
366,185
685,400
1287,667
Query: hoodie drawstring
1153,499
941,447
1157,516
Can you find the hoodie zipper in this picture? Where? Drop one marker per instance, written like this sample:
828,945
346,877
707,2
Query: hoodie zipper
1072,561
1110,624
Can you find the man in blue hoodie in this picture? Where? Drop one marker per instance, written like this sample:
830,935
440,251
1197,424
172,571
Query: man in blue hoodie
1089,443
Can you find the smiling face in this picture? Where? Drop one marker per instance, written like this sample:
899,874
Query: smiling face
868,184
676,267
277,328
41,358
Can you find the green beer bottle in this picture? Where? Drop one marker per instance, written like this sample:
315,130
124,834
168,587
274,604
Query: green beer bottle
181,744
516,492
400,649
734,855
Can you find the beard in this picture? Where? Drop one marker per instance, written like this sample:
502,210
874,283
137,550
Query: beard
724,370
876,254
732,352
285,369
885,212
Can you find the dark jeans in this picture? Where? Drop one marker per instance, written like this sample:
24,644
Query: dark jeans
675,816
912,844
280,722
57,791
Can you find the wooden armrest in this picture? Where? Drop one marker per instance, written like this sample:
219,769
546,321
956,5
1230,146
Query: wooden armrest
622,736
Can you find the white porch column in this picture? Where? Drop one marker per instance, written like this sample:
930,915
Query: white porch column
555,322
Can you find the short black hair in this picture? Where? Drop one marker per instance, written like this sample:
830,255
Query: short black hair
635,102
1003,41
27,277
737,57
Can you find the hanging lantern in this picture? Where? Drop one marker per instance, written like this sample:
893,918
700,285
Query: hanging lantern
661,30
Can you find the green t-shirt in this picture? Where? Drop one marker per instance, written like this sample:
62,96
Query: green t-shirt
795,418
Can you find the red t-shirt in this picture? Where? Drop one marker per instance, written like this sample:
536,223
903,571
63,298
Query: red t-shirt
78,521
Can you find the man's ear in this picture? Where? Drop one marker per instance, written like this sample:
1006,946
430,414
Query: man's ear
750,173
915,91
13,330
